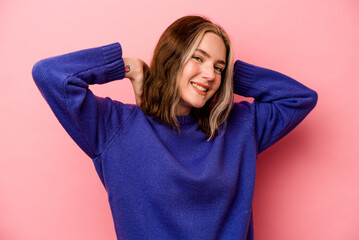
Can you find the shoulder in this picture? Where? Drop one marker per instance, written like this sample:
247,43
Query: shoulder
242,113
116,110
242,110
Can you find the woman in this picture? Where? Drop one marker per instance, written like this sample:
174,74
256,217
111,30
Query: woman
181,164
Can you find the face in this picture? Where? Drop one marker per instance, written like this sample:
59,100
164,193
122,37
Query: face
201,75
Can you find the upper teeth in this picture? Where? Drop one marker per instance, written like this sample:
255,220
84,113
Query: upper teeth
199,87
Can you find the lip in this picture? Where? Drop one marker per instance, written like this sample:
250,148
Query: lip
201,84
198,91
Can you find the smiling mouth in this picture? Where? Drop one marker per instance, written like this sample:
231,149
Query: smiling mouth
200,89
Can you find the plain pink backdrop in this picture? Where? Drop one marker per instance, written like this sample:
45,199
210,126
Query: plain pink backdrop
307,184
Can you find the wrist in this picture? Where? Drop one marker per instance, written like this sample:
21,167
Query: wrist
132,68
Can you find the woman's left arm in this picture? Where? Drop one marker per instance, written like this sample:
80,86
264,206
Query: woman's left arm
280,102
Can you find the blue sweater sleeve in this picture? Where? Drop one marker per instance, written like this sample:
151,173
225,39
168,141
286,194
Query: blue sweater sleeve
280,103
64,83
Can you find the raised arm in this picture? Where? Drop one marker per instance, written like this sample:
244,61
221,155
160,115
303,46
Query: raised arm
64,82
280,104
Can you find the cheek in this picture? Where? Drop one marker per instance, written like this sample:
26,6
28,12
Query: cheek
217,83
190,69
188,72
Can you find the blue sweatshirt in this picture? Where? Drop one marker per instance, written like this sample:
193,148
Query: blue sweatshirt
161,183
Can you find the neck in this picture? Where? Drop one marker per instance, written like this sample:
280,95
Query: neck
182,109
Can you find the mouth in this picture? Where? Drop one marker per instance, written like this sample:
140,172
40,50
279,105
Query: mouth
200,88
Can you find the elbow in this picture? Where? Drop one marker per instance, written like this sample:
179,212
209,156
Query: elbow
309,100
43,74
39,76
39,71
313,98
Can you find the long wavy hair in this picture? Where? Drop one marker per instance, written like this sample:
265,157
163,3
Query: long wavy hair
174,48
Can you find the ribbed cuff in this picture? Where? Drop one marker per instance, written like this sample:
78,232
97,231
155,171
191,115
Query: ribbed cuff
243,77
114,62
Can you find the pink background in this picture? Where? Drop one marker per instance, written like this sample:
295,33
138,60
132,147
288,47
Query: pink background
307,184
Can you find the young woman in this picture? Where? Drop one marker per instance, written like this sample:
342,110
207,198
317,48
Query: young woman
181,163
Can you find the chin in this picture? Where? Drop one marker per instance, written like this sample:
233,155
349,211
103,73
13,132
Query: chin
198,105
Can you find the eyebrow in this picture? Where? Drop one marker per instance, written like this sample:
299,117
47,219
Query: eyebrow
207,55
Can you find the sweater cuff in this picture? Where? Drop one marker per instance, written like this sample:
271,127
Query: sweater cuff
113,60
243,77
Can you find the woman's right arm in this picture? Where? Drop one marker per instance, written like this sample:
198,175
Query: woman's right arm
64,83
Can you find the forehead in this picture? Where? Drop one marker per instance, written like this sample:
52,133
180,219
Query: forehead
213,45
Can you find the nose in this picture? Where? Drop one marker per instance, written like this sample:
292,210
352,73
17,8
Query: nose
208,72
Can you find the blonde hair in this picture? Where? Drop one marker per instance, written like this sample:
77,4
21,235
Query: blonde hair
174,48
